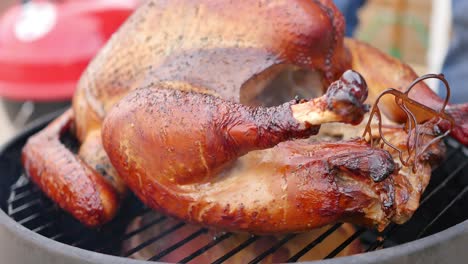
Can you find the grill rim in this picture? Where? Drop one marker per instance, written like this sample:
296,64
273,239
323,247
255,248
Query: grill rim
21,240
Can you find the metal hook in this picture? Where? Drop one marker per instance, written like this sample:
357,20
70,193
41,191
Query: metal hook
412,127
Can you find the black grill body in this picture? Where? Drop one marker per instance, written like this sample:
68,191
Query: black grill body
34,230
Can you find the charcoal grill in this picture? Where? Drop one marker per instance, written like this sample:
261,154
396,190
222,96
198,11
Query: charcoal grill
33,229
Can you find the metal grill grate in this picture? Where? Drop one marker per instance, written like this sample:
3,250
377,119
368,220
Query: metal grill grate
441,207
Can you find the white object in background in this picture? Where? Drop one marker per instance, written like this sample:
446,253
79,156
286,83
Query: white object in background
439,38
7,130
37,19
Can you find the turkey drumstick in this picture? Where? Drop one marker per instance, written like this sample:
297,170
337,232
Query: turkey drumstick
196,146
189,134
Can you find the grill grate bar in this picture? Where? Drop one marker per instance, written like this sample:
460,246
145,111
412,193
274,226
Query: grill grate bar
456,199
36,215
110,227
17,197
66,234
22,205
20,186
153,239
55,237
386,233
206,247
393,227
80,232
444,183
271,250
25,206
314,243
44,226
178,244
132,233
452,151
346,243
143,228
237,249
375,245
78,241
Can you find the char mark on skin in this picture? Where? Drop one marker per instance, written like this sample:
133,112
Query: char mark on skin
348,95
378,165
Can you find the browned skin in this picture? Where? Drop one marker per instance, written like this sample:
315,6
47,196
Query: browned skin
199,64
382,71
175,41
205,44
409,184
64,177
189,169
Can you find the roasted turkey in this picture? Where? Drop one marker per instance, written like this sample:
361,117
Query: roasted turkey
193,106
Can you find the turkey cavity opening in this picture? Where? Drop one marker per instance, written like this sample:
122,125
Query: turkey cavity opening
279,84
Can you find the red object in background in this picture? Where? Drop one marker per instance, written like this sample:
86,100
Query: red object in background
46,45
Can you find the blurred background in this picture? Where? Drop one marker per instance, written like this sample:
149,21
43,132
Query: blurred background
6,129
44,45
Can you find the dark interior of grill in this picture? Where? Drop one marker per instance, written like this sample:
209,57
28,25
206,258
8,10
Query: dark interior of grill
443,205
